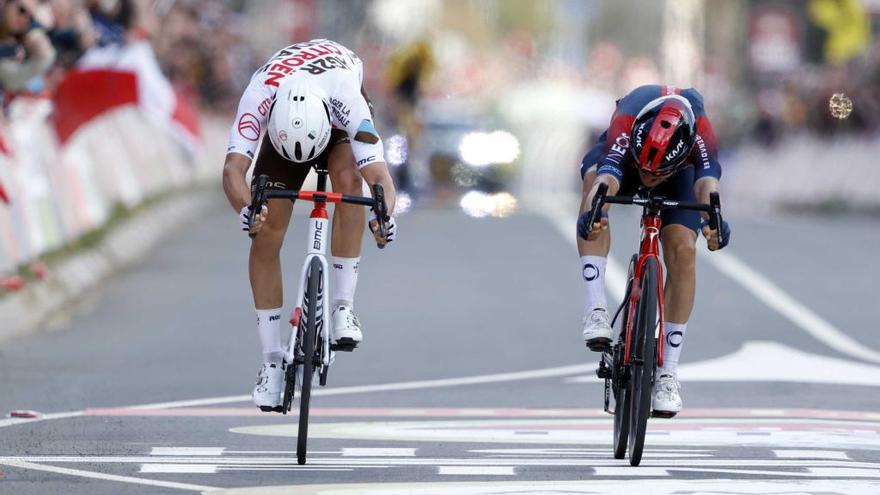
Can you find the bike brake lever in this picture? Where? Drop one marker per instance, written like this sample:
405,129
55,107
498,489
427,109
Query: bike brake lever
715,213
596,207
258,197
381,211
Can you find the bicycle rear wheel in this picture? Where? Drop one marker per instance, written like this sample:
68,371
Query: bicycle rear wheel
311,306
643,358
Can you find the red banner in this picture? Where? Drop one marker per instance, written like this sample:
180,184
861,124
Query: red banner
84,95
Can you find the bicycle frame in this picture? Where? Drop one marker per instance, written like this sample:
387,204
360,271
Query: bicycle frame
319,227
649,247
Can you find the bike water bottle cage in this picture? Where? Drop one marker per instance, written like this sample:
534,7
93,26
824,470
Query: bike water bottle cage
663,135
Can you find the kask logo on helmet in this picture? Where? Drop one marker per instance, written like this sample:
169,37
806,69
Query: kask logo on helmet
673,155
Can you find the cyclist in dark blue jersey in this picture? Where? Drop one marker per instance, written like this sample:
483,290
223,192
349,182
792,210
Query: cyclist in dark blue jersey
660,139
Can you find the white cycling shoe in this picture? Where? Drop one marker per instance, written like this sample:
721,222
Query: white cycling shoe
666,401
269,387
346,329
597,330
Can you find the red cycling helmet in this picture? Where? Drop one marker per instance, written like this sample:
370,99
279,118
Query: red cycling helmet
663,135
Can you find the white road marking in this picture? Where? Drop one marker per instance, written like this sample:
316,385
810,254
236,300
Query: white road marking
795,432
179,468
812,454
767,361
377,452
617,471
630,487
102,476
475,470
45,417
187,450
365,462
773,296
389,387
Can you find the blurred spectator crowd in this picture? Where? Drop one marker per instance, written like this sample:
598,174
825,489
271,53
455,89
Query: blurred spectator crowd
198,43
798,102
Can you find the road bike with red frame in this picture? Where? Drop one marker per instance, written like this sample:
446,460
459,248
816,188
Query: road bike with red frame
629,365
309,348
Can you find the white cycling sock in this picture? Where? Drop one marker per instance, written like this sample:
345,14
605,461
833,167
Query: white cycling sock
269,327
593,275
672,346
344,280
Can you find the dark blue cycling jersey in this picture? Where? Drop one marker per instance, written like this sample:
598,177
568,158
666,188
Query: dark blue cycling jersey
611,153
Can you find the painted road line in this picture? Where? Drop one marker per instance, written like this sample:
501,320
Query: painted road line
627,471
767,361
187,451
384,462
812,454
102,476
797,433
391,387
44,417
179,468
465,413
475,470
377,452
773,296
630,487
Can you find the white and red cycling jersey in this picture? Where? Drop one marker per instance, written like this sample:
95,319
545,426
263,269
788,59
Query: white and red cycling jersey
334,68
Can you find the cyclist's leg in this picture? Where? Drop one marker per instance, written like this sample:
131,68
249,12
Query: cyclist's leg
265,262
678,238
348,232
348,222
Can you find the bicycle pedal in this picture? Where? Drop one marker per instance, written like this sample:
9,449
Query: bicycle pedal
344,345
271,409
663,414
599,345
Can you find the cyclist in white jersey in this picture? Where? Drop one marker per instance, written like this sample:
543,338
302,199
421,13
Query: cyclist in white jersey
309,100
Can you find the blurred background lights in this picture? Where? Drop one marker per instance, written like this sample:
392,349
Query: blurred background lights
403,204
396,150
479,204
480,149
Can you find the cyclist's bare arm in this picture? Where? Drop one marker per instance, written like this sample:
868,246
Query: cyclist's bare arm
235,180
587,201
377,173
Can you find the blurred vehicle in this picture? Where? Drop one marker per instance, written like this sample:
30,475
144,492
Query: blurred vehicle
463,150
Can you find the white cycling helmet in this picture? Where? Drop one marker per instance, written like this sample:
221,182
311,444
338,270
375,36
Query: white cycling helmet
299,120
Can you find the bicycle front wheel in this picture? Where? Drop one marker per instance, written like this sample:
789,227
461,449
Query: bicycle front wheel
311,306
622,380
644,344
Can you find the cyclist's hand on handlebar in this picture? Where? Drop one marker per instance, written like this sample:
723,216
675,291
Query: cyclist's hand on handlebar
598,227
712,235
390,231
258,220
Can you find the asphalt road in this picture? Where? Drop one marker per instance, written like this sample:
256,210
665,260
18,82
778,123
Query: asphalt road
496,301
